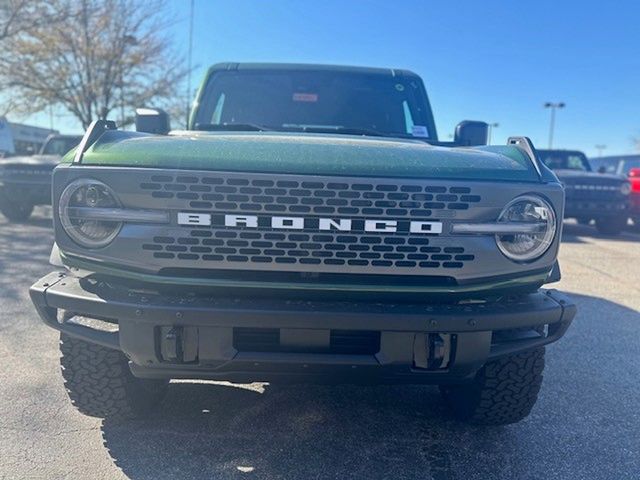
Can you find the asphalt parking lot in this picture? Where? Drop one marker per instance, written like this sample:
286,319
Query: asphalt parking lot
585,425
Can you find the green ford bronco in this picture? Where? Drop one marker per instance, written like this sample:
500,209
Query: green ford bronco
308,226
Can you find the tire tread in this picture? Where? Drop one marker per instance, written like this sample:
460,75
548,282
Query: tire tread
100,384
503,392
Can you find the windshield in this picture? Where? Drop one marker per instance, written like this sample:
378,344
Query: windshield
316,101
561,160
604,165
59,145
620,165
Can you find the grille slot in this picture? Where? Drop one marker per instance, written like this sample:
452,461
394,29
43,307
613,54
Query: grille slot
342,342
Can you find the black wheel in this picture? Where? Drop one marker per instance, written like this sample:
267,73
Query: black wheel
504,390
583,220
611,225
100,384
15,211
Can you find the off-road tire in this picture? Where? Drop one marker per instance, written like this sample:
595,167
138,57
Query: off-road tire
100,384
15,211
504,391
611,225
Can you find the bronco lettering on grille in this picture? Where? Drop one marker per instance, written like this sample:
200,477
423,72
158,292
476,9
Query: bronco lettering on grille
300,223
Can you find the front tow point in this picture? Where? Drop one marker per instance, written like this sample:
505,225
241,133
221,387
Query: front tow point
431,351
179,344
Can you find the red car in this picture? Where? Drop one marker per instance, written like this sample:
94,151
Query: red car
634,178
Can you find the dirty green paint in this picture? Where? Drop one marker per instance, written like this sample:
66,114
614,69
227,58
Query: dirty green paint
308,154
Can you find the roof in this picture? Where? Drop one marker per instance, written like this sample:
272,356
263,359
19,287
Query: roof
311,67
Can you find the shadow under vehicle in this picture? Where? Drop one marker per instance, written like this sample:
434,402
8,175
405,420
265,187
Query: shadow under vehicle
309,226
204,431
590,195
25,181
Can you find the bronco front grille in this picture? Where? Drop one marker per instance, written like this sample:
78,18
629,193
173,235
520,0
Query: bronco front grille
214,246
358,198
29,173
597,192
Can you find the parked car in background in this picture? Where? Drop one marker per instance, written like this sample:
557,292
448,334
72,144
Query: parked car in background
589,195
628,166
25,181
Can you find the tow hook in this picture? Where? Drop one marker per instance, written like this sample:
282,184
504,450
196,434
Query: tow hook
179,344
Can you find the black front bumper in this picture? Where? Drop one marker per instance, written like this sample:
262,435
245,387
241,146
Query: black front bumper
189,336
36,191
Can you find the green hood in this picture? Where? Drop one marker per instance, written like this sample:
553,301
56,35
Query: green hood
313,154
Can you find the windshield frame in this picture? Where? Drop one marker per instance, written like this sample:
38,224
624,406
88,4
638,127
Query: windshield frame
420,92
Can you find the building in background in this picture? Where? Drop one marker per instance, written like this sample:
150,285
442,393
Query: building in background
20,139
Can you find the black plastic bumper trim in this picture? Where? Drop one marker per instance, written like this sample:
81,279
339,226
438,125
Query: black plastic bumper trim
60,291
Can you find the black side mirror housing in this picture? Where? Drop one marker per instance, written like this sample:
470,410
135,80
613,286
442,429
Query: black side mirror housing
470,133
152,120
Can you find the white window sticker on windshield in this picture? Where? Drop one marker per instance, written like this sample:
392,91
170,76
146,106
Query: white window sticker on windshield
419,131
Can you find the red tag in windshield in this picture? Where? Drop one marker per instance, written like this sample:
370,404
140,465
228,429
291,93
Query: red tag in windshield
305,97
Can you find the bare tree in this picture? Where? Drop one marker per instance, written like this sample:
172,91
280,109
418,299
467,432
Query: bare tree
104,58
19,16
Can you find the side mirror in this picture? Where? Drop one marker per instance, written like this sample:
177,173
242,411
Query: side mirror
602,169
152,120
470,132
634,172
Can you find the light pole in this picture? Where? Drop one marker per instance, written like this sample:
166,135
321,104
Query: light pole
553,106
600,148
491,127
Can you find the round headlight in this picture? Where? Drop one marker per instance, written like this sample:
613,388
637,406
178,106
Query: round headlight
537,220
625,188
75,206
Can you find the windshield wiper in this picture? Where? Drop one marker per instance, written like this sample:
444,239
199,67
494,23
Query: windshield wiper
231,127
252,127
336,129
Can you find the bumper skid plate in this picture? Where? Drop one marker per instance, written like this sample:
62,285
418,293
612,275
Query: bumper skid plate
194,336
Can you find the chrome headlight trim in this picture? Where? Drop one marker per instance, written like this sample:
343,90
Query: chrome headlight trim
70,228
550,227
